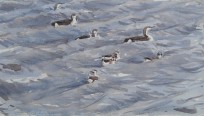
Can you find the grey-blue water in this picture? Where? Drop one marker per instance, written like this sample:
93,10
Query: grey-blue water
54,67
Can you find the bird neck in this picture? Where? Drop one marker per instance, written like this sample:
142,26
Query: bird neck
159,56
74,20
94,73
94,34
146,34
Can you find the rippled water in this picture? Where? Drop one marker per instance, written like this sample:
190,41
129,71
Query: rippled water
55,66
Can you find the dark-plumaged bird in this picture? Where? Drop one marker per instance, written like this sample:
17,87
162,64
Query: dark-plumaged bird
93,76
115,55
72,21
94,33
159,56
146,36
105,62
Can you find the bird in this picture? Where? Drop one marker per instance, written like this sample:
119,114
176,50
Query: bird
93,76
57,6
115,55
94,33
108,61
72,21
159,56
146,36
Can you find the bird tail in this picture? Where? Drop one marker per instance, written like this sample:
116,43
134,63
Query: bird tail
126,40
53,24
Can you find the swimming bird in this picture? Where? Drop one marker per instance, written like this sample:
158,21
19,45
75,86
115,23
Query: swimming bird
57,6
115,55
72,21
146,36
108,61
159,56
93,75
94,33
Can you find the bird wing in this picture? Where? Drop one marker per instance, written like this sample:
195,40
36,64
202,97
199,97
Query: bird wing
62,22
109,55
147,58
83,37
139,38
93,77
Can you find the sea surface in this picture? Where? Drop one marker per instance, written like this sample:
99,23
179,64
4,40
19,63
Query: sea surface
55,67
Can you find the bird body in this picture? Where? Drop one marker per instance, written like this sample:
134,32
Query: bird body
93,76
159,56
108,61
146,36
84,37
72,21
93,34
137,38
115,55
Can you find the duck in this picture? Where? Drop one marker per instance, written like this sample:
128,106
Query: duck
115,55
159,56
93,76
108,61
146,36
72,21
94,33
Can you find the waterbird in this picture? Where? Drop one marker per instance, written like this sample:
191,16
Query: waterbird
146,36
93,76
159,56
108,61
115,55
94,33
56,6
72,21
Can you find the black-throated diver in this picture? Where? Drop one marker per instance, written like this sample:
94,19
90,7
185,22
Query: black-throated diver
146,36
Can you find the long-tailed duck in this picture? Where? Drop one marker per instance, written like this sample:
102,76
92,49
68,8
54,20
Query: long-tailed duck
105,62
72,21
159,56
115,55
93,76
94,33
146,36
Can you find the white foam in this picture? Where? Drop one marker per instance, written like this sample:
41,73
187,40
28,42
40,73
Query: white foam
28,79
51,105
121,75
